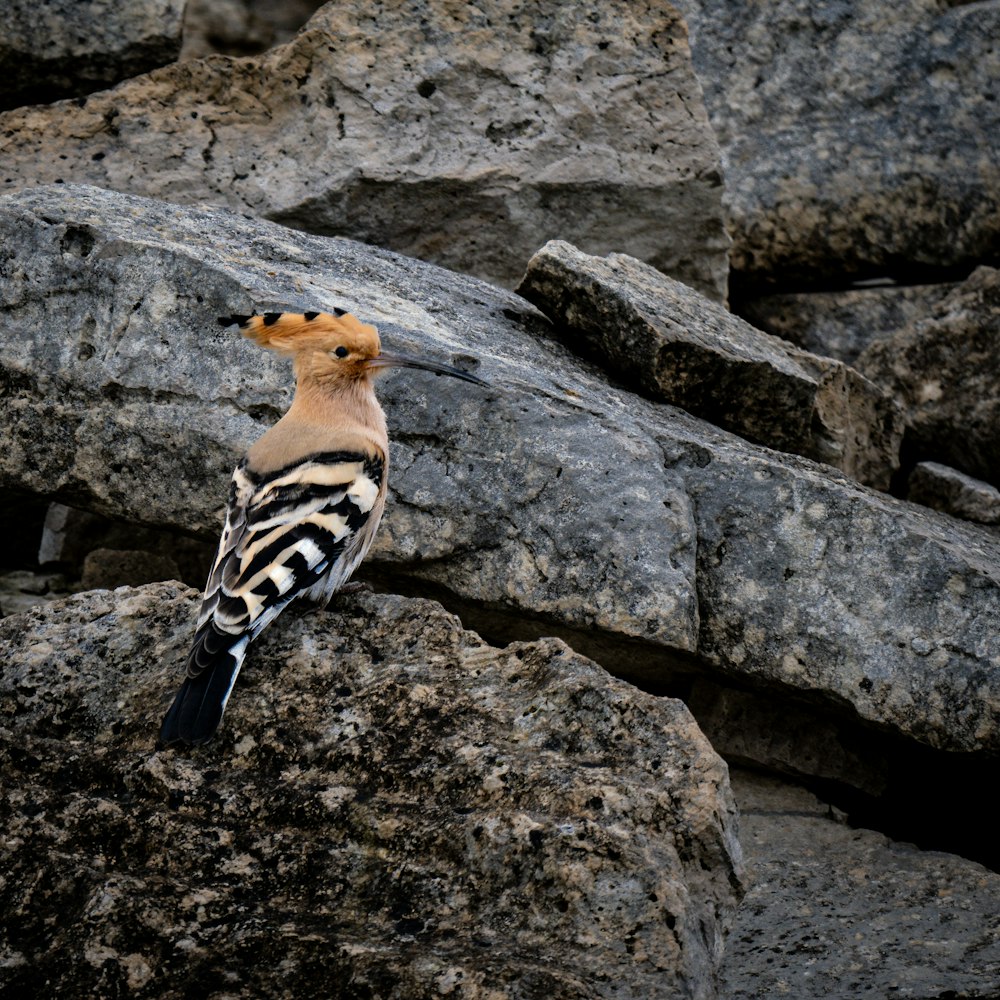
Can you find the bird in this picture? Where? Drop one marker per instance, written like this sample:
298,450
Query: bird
304,502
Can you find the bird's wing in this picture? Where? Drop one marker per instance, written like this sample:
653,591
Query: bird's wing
301,528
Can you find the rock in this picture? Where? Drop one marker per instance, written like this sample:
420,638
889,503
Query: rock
859,139
109,568
52,49
392,804
553,503
841,324
71,535
756,730
465,135
673,345
152,405
945,368
837,912
241,27
949,490
21,589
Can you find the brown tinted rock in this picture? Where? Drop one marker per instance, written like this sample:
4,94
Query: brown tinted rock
463,134
392,804
859,139
51,49
945,369
838,912
842,324
671,343
953,492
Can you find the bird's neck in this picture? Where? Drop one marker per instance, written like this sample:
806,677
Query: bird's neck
327,414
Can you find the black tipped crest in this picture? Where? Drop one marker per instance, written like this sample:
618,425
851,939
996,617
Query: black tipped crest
310,316
339,312
236,318
271,318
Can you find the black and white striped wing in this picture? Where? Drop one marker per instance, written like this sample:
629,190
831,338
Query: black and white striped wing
301,530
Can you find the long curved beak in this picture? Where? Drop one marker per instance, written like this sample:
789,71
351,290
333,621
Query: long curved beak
384,360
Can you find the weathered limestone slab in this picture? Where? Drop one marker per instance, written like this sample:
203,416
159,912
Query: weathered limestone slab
838,912
126,397
668,341
553,501
945,369
392,804
859,139
462,134
841,324
50,49
949,490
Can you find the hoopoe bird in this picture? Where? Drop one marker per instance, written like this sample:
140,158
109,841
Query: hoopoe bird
304,503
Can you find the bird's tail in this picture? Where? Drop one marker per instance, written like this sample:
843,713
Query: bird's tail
197,710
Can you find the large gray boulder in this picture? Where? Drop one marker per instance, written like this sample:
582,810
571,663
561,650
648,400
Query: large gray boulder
859,138
51,49
468,135
669,342
553,503
393,808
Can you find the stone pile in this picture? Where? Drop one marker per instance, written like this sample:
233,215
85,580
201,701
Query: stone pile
788,520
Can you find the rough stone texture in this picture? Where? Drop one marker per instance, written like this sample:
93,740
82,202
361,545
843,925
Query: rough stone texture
466,135
667,340
241,27
842,324
394,809
945,368
50,49
553,501
949,490
859,138
842,913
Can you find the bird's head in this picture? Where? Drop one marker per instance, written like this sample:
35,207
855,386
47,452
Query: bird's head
338,345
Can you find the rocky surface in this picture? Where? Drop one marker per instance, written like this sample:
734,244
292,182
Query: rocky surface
552,503
672,344
953,492
394,808
458,134
378,762
837,912
859,139
842,324
52,49
945,370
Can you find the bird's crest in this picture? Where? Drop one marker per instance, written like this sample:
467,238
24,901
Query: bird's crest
289,333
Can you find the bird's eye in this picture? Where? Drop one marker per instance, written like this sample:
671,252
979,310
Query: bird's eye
341,352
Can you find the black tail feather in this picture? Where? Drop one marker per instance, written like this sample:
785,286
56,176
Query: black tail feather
197,710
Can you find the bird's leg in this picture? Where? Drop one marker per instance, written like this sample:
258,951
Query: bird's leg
357,587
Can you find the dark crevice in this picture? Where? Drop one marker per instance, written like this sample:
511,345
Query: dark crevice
747,287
